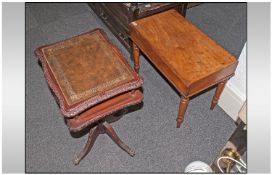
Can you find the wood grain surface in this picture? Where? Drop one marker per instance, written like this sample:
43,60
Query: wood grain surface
117,16
183,53
187,57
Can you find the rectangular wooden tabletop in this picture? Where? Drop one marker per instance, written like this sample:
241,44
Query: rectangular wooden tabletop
187,57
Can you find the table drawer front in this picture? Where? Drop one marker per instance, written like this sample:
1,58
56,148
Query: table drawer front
118,11
146,9
117,16
116,29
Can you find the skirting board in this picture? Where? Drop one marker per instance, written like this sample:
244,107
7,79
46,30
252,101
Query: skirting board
231,101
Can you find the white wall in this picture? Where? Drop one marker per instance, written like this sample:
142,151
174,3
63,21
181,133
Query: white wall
239,80
234,94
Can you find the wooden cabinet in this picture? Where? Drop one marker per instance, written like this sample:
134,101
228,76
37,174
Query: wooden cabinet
117,16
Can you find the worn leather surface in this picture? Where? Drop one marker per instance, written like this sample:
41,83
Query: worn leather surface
85,70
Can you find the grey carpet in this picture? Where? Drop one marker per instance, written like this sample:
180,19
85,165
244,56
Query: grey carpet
160,147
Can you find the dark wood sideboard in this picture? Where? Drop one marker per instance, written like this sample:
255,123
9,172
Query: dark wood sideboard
117,16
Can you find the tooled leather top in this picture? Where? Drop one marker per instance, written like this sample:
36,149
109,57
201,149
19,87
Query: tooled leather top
85,67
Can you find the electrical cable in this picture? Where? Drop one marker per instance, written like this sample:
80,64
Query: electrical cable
238,168
241,160
226,157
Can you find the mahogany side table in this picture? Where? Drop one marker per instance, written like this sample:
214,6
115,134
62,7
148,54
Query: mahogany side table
91,80
188,58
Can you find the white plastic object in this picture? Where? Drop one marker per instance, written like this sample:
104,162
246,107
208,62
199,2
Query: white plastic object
198,167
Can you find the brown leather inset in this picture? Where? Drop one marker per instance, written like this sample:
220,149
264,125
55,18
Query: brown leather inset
85,66
85,70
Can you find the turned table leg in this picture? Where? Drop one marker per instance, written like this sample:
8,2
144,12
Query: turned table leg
182,109
219,90
136,57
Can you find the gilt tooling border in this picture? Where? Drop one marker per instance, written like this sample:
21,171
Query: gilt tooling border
74,109
55,64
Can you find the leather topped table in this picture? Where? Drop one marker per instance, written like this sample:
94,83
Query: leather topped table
91,79
188,58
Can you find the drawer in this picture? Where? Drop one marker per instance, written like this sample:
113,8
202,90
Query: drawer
118,11
147,9
117,15
115,27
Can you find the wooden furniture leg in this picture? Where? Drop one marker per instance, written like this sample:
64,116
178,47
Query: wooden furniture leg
182,109
102,128
136,57
94,132
112,134
219,90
